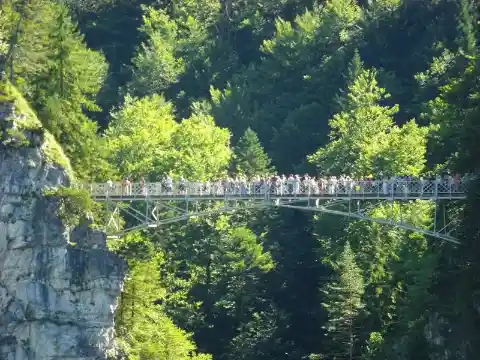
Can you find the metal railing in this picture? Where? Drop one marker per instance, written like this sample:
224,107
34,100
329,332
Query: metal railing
358,189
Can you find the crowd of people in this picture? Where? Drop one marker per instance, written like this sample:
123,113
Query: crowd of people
281,185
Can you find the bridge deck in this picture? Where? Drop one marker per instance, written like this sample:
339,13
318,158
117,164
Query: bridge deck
359,190
233,197
295,195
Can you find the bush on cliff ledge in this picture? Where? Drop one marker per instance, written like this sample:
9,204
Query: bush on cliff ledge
75,205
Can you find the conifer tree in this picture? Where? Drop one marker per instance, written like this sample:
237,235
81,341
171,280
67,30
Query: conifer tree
344,303
4,36
145,332
354,69
466,19
250,158
156,66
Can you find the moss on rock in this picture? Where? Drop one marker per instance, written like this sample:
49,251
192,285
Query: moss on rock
54,153
29,122
10,94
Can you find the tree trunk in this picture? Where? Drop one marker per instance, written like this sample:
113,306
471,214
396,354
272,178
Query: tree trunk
350,344
208,307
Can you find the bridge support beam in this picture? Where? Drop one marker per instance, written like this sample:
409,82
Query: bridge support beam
145,213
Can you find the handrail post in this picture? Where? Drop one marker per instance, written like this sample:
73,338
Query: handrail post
309,191
392,188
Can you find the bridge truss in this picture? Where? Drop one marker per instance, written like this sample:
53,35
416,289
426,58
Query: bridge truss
153,205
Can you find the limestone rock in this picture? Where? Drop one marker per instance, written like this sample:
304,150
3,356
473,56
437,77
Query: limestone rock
57,301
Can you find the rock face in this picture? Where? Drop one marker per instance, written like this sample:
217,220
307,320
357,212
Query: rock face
57,301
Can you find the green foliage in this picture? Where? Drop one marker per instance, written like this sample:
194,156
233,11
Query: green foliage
215,268
456,112
60,76
139,136
4,32
51,149
203,12
78,134
256,339
373,347
155,66
365,140
202,149
16,138
144,139
246,285
344,304
75,205
249,157
10,94
279,97
133,247
55,154
467,37
145,331
56,60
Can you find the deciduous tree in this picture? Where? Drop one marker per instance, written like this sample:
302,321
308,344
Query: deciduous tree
364,139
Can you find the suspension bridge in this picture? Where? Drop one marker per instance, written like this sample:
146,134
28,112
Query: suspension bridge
150,205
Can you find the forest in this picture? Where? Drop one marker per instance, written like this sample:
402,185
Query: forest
206,88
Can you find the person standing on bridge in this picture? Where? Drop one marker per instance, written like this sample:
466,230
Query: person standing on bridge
109,186
182,186
143,189
456,182
385,186
126,187
168,184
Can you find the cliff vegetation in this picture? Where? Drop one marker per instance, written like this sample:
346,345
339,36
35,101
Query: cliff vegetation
25,120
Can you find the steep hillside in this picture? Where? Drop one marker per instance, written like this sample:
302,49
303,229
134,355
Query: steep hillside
21,128
58,285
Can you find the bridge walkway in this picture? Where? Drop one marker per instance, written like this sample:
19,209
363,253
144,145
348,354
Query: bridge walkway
146,202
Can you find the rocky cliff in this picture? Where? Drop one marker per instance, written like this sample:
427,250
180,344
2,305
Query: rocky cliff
57,300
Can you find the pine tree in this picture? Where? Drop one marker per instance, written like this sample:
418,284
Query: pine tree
344,303
156,66
64,41
144,330
466,19
354,69
250,158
